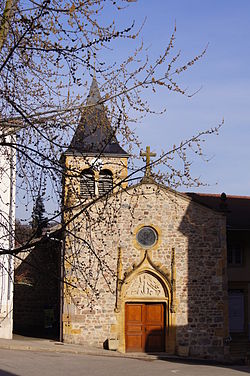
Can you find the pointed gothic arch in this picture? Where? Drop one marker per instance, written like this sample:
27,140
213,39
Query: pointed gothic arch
147,284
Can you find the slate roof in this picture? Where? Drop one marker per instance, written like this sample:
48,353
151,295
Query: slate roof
94,134
236,208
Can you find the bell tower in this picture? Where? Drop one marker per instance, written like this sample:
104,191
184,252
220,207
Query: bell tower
95,163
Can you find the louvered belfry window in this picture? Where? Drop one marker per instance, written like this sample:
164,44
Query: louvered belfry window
87,184
105,182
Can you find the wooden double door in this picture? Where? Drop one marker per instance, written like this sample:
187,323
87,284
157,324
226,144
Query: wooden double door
145,327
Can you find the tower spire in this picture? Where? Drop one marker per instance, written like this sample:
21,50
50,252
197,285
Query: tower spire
94,133
94,69
94,97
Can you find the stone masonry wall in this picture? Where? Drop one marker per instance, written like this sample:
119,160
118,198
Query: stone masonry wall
198,236
36,290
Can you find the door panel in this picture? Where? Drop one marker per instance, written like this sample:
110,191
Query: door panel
134,327
134,312
154,343
154,312
134,343
144,327
155,328
236,311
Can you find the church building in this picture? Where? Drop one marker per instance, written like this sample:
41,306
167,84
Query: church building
145,266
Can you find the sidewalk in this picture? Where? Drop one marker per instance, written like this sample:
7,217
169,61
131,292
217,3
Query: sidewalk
47,345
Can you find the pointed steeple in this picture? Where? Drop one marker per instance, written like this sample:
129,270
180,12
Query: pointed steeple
94,134
94,95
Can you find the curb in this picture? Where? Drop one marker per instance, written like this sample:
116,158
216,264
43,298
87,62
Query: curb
58,347
61,348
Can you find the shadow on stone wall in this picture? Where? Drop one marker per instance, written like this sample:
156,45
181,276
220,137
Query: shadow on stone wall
204,329
36,292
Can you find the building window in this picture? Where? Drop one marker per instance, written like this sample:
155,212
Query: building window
87,184
147,236
105,182
234,255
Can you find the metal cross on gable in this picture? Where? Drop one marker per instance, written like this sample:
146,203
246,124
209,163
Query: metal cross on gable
147,154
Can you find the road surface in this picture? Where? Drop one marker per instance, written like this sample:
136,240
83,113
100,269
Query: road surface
29,363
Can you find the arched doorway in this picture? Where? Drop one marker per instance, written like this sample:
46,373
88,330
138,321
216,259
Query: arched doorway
145,318
146,313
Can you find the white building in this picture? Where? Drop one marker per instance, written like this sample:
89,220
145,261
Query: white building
7,227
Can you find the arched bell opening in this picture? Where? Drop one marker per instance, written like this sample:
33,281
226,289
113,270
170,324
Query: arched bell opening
105,183
87,184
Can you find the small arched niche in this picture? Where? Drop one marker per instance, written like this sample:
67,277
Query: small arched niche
87,183
105,182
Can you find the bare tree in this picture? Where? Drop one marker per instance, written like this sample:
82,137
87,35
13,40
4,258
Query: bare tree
48,49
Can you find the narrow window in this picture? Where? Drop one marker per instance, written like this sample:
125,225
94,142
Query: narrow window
87,184
234,254
105,182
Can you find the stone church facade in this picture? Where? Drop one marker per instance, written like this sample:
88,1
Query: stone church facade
145,266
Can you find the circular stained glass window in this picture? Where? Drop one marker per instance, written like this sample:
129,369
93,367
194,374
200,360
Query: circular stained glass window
147,236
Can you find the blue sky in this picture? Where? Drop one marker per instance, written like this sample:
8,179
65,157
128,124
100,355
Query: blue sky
223,74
